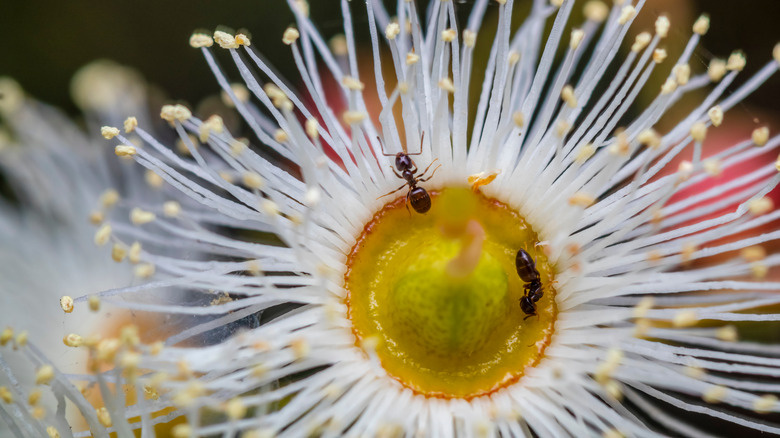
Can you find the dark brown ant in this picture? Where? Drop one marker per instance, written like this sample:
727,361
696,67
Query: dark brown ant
526,269
417,196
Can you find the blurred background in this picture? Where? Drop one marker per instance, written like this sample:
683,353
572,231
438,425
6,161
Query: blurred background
48,40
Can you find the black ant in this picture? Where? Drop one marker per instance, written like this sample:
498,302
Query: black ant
417,196
526,269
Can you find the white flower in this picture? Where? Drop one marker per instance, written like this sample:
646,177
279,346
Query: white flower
279,221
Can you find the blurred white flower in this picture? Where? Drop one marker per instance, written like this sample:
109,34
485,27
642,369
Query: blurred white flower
642,284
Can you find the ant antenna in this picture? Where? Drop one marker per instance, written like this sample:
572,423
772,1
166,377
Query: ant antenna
422,137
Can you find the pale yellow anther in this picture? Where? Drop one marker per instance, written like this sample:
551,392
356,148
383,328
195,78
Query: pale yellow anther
212,124
52,432
501,2
577,35
6,395
225,40
562,128
44,375
227,176
777,163
641,41
736,61
469,38
596,11
130,124
567,94
353,117
759,270
669,86
643,306
66,303
776,53
153,179
178,112
761,206
38,413
96,217
72,340
106,349
449,35
447,85
129,335
243,40
621,147
352,83
626,14
392,30
103,417
659,55
237,147
35,396
584,153
715,394
189,394
514,57
312,126
716,115
235,409
662,26
102,235
699,131
144,270
612,433
338,45
21,338
281,136
760,136
171,209
682,73
198,40
8,333
765,404
685,318
141,217
302,6
684,170
518,118
125,151
109,198
94,303
269,207
130,360
134,254
649,138
581,199
716,69
702,24
300,348
182,431
412,58
109,132
753,253
727,333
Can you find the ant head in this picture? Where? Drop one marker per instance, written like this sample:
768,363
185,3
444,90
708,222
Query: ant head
403,162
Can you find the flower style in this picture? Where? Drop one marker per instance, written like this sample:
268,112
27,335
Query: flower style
639,285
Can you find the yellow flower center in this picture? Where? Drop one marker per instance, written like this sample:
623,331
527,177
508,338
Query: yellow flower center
437,296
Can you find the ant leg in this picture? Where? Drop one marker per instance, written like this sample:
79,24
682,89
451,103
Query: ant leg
388,194
426,179
429,166
396,173
409,193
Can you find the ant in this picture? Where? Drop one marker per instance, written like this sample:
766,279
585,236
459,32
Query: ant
526,269
417,196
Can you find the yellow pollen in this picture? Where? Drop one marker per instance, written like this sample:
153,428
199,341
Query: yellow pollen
712,167
109,132
338,45
702,24
300,348
761,206
682,73
649,138
626,14
736,61
577,35
145,270
760,136
449,35
130,124
182,431
6,395
198,40
776,53
94,303
614,389
469,38
52,432
172,113
715,394
171,209
694,372
596,11
153,179
39,413
716,70
643,306
102,235
96,217
518,118
447,85
659,55
582,199
685,318
753,253
125,151
243,40
412,58
235,409
352,83
567,94
716,115
688,251
66,303
134,255
141,217
269,207
253,180
641,41
765,404
35,396
584,153
699,131
759,270
392,30
44,375
777,163
109,198
103,417
21,339
669,86
727,333
662,26
72,340
225,40
480,179
312,126
353,117
281,136
562,128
